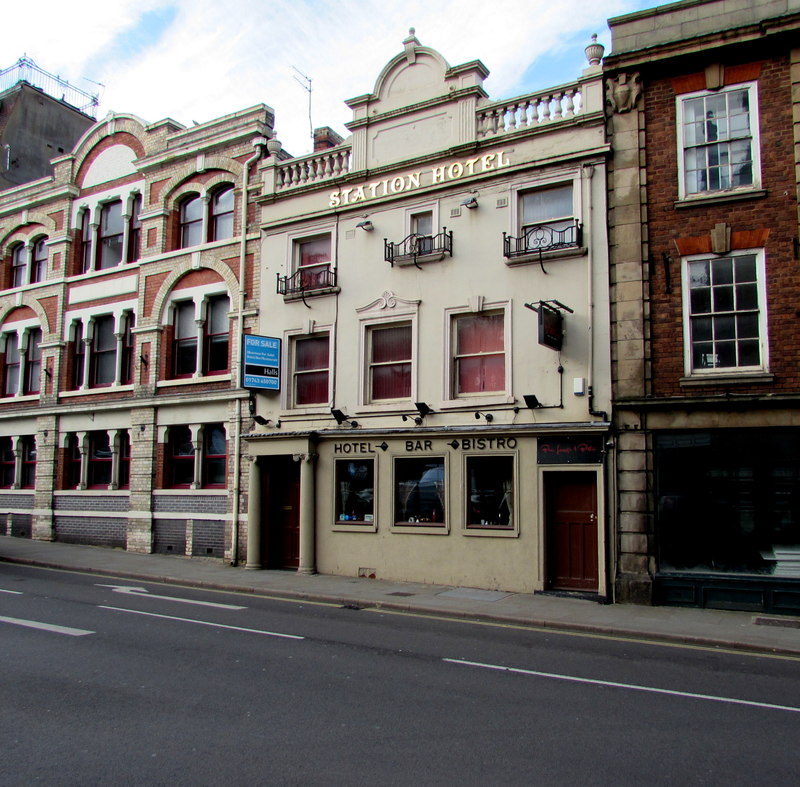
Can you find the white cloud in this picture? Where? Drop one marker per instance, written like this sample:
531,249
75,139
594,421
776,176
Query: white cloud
215,58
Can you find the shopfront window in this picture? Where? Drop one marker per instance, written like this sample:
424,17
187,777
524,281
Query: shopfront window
419,492
729,501
490,492
355,491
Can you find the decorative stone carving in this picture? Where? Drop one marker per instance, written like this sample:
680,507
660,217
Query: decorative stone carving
409,45
623,92
594,52
721,239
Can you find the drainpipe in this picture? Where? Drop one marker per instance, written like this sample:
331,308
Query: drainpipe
588,172
258,144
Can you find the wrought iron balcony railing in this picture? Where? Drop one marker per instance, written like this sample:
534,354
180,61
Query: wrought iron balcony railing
307,280
540,238
414,247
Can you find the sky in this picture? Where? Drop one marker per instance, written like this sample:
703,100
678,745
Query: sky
196,60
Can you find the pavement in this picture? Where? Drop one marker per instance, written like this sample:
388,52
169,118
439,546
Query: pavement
744,631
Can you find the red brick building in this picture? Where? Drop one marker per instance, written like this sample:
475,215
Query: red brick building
704,106
127,283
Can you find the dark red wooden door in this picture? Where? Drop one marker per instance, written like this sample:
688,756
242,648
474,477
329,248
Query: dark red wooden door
283,548
571,506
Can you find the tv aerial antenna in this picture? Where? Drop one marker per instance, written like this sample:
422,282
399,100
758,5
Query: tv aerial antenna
305,82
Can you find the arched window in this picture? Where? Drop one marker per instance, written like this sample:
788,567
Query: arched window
184,351
100,459
86,242
11,365
110,235
180,456
135,229
8,463
27,471
39,261
33,361
214,460
217,329
126,372
104,352
19,265
191,216
222,203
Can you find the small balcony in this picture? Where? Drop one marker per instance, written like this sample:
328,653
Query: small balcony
538,239
419,248
319,280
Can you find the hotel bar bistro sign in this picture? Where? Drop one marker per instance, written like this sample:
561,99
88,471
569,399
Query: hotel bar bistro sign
445,173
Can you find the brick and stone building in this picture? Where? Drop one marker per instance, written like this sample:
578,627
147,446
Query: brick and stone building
128,277
703,99
435,299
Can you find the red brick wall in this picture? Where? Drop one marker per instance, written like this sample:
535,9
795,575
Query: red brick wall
671,228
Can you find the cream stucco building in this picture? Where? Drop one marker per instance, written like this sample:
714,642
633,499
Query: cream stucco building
434,300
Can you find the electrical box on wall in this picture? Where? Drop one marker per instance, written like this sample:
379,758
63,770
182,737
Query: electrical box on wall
579,386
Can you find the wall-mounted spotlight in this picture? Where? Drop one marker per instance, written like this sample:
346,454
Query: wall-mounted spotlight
260,420
365,225
531,402
341,417
470,202
488,416
423,409
415,418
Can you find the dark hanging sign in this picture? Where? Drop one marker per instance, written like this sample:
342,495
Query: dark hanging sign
570,450
551,327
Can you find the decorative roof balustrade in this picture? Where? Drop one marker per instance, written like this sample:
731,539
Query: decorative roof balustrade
313,168
525,112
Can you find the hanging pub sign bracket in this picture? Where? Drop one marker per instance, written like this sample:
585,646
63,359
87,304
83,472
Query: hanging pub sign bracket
551,322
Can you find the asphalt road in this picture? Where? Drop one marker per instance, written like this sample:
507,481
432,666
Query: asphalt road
126,686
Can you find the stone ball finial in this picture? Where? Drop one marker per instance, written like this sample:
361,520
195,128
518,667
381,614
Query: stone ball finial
594,52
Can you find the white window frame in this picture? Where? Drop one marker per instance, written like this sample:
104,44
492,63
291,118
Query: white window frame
411,213
763,339
287,394
308,233
476,307
565,178
386,311
752,88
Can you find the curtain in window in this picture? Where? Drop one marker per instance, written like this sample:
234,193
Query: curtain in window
311,371
480,357
391,362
